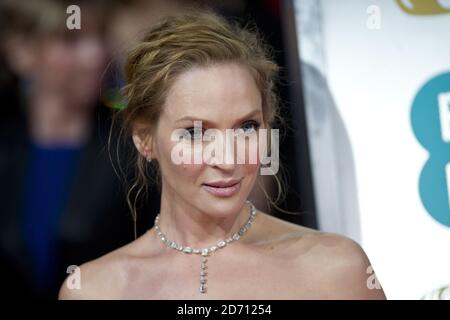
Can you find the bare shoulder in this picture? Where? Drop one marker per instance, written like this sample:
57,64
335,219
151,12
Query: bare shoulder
102,278
334,265
96,279
338,265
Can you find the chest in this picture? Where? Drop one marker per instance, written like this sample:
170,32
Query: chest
261,275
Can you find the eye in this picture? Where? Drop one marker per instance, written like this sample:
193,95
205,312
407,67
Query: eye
194,133
250,126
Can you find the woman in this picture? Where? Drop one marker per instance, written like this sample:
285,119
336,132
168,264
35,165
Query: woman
209,242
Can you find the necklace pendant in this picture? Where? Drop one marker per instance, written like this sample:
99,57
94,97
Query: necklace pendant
203,274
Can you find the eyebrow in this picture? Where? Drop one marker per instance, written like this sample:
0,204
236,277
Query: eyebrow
250,114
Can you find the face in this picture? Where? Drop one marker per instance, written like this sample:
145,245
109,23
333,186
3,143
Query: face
222,96
70,65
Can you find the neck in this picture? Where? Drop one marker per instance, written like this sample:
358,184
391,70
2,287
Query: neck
54,121
189,226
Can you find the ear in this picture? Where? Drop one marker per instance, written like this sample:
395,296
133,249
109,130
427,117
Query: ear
143,141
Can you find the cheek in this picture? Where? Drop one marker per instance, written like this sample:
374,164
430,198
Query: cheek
251,151
91,55
251,173
178,174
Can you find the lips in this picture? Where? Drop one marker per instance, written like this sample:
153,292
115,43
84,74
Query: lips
223,188
222,184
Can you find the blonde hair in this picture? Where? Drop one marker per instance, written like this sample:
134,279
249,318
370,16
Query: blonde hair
176,44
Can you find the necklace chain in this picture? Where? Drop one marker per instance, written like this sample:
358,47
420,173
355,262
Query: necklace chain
207,250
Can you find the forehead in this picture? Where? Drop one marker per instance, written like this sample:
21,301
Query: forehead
213,92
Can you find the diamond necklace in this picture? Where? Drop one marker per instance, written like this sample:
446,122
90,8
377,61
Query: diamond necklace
210,249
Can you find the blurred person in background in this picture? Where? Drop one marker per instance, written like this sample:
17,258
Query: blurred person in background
61,202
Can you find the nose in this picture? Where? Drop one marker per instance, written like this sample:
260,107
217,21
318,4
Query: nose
224,158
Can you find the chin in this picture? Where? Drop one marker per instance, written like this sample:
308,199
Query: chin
223,206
